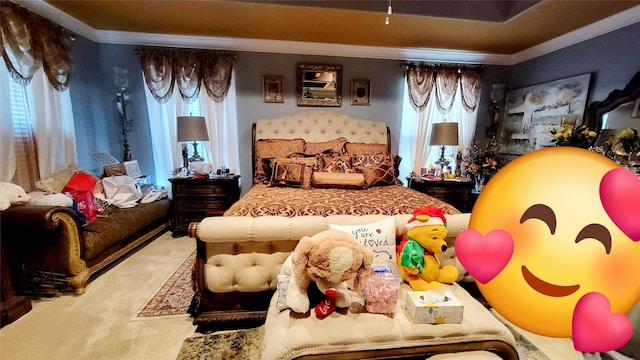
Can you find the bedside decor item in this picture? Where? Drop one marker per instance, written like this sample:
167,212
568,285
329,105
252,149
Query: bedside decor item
444,134
531,112
192,128
273,89
319,85
495,109
360,92
121,80
481,164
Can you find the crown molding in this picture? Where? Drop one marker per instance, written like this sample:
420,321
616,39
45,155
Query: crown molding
604,26
612,23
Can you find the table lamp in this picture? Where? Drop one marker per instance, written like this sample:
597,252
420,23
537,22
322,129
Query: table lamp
444,134
192,128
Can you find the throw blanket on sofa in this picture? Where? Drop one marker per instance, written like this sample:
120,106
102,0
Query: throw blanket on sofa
263,200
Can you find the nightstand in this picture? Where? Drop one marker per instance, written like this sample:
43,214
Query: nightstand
456,193
195,199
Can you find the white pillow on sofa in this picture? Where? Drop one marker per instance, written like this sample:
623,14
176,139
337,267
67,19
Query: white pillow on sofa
40,198
380,236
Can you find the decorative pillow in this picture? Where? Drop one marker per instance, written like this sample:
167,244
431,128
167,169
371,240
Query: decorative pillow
380,236
380,175
283,286
335,145
272,148
56,181
371,159
50,199
323,179
336,164
377,159
294,172
363,148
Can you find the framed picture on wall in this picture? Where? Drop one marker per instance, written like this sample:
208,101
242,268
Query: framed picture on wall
360,92
273,89
530,113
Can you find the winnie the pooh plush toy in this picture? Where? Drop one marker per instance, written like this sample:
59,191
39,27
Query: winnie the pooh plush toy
417,259
331,259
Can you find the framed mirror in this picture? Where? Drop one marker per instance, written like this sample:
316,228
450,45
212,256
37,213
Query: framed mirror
619,111
319,85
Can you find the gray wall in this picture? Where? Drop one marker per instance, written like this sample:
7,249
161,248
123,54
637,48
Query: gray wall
612,59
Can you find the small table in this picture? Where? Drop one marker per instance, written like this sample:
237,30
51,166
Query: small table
195,199
454,192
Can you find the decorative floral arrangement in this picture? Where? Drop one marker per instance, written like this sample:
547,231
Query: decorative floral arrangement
481,164
579,136
629,139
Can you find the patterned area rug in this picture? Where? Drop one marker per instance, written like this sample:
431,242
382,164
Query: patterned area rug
224,345
174,297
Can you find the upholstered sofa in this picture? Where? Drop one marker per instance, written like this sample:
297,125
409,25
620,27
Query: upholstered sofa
52,239
238,260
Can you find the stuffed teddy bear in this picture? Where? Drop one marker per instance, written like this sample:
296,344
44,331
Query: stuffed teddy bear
331,259
11,194
417,259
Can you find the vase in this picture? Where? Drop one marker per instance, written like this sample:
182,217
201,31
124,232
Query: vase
479,180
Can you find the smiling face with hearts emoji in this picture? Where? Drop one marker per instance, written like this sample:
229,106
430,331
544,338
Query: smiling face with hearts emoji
553,246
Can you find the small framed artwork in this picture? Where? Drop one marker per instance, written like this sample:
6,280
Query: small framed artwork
360,92
273,89
132,168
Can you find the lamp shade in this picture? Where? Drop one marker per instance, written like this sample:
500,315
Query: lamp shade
444,134
192,128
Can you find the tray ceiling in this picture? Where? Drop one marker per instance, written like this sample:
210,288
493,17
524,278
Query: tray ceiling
491,27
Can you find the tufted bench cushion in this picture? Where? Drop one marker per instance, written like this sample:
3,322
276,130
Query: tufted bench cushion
359,336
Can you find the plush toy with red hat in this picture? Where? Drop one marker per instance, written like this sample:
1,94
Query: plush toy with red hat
419,265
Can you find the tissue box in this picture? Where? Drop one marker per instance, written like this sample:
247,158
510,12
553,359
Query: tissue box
434,307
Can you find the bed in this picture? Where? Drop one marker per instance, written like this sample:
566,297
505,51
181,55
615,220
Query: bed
325,163
310,165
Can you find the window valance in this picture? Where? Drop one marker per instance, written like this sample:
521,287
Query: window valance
421,80
30,41
189,69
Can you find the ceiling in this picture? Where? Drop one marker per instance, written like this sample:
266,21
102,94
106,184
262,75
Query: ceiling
500,28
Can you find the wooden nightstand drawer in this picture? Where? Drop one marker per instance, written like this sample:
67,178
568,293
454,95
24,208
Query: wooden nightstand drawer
456,193
202,190
199,205
196,199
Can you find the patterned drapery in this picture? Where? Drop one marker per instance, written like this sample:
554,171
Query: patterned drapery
188,70
30,41
421,79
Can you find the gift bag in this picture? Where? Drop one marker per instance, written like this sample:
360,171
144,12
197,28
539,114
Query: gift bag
80,187
121,190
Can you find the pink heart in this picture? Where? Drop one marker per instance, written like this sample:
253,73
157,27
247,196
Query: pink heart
620,197
595,328
484,257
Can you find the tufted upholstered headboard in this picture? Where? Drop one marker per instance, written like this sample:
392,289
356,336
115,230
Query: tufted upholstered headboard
318,126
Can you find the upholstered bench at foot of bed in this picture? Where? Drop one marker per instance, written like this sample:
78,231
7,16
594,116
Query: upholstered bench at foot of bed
360,336
239,258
